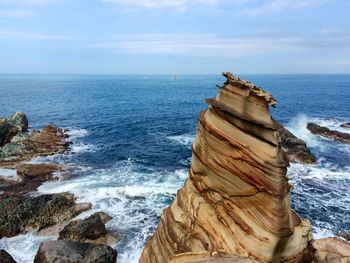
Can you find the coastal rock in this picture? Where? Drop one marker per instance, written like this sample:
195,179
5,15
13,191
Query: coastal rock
345,125
68,251
89,230
295,148
18,214
330,134
236,200
7,132
331,250
6,257
20,121
24,146
42,171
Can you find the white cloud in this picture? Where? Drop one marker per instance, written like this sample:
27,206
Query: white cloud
181,5
20,35
211,45
277,6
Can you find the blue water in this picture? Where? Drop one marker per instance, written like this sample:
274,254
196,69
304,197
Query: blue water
132,139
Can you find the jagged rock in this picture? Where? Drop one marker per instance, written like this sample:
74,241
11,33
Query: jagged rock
90,230
295,148
330,134
7,132
42,171
236,200
24,146
6,257
345,125
331,250
18,214
68,251
20,121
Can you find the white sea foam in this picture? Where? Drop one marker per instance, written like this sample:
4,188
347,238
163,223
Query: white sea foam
23,247
77,133
184,139
8,173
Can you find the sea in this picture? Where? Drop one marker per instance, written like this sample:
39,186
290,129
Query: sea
132,137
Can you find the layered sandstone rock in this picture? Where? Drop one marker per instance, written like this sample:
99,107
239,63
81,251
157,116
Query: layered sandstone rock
236,200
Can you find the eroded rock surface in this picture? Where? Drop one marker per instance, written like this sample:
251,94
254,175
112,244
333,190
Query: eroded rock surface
18,146
89,230
327,133
236,200
331,250
68,251
18,214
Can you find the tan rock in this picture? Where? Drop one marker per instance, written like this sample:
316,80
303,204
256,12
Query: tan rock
236,199
331,250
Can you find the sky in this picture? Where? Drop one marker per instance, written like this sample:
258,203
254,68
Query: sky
174,36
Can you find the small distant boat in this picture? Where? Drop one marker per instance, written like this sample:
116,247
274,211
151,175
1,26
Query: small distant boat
175,77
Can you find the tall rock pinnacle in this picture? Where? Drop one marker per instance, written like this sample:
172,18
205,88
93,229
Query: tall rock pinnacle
236,200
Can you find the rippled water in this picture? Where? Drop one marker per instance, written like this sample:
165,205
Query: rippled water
132,144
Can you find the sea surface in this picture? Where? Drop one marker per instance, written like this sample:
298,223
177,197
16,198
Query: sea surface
132,138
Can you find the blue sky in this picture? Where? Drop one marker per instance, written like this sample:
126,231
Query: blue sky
174,36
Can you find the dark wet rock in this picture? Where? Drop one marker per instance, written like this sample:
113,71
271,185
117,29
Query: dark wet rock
42,171
20,121
68,251
345,235
19,188
90,230
18,214
345,125
7,132
24,146
327,133
6,257
295,148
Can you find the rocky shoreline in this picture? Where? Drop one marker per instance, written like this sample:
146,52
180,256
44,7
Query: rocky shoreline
23,211
234,206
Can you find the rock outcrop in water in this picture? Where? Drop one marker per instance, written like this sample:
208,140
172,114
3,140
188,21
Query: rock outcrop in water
19,214
345,125
295,148
327,133
17,144
236,200
68,251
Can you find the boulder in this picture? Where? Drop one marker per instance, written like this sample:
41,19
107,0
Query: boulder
90,230
68,251
345,125
20,213
20,121
295,148
236,199
6,257
7,132
327,133
331,250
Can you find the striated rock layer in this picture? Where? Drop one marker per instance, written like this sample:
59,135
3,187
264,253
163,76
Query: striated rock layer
236,200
